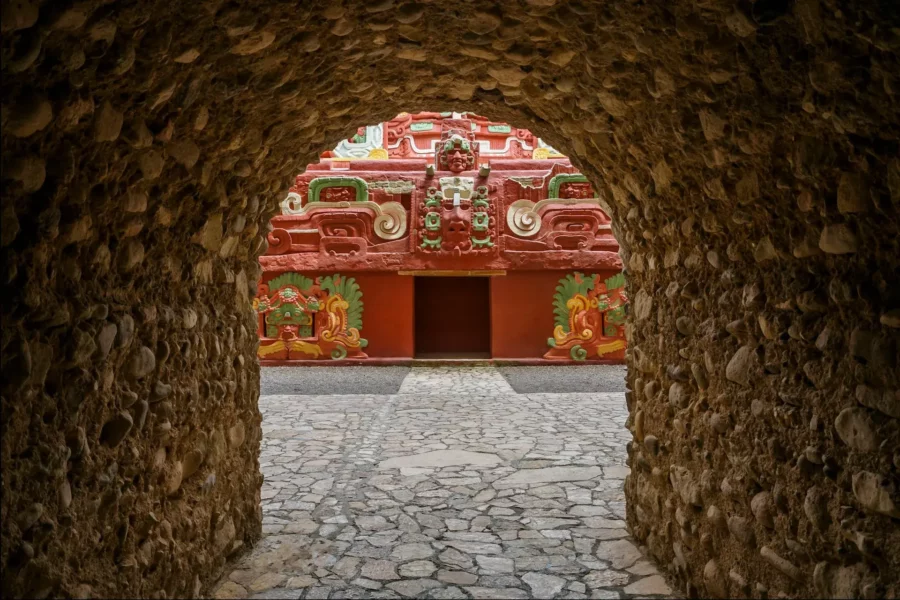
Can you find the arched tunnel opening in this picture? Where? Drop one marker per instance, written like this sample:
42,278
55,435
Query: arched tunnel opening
749,153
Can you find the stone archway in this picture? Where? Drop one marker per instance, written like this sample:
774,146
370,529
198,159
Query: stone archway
750,152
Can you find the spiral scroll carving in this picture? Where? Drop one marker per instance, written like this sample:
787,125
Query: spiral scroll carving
391,223
523,219
279,241
578,353
292,204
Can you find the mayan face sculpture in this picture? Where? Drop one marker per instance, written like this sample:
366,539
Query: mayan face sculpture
576,190
456,154
456,218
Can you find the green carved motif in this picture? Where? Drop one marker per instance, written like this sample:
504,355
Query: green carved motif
435,243
432,221
289,312
615,282
618,315
480,217
289,315
558,180
499,128
432,198
578,353
295,279
571,284
480,199
422,126
463,144
320,183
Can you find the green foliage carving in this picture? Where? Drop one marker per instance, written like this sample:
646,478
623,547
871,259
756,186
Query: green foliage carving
616,281
349,290
296,279
567,288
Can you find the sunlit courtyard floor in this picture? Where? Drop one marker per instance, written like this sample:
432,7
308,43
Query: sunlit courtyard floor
453,485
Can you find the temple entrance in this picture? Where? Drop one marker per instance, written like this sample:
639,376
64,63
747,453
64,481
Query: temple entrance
452,317
441,195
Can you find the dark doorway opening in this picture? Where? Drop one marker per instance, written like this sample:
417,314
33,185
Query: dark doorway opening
453,317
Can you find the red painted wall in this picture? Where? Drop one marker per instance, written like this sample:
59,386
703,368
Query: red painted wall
522,312
387,314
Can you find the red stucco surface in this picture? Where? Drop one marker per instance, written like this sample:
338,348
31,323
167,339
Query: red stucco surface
388,320
522,313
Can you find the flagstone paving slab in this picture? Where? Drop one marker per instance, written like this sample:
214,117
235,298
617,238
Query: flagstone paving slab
456,487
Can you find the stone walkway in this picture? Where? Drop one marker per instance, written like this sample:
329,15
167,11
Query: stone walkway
456,487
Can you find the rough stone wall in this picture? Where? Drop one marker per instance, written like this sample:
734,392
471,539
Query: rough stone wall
749,153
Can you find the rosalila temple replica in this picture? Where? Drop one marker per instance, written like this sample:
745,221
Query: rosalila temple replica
441,235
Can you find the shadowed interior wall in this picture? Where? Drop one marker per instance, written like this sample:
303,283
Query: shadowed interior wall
453,316
748,152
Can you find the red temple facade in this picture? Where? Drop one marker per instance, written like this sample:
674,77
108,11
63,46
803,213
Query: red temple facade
441,235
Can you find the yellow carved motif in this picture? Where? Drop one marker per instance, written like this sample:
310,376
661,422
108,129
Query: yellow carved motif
544,153
336,311
306,348
276,346
610,347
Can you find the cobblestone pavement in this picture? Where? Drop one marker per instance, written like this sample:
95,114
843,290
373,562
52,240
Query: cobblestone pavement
456,487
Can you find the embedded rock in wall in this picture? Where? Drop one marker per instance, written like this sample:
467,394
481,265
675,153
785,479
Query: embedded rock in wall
749,155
